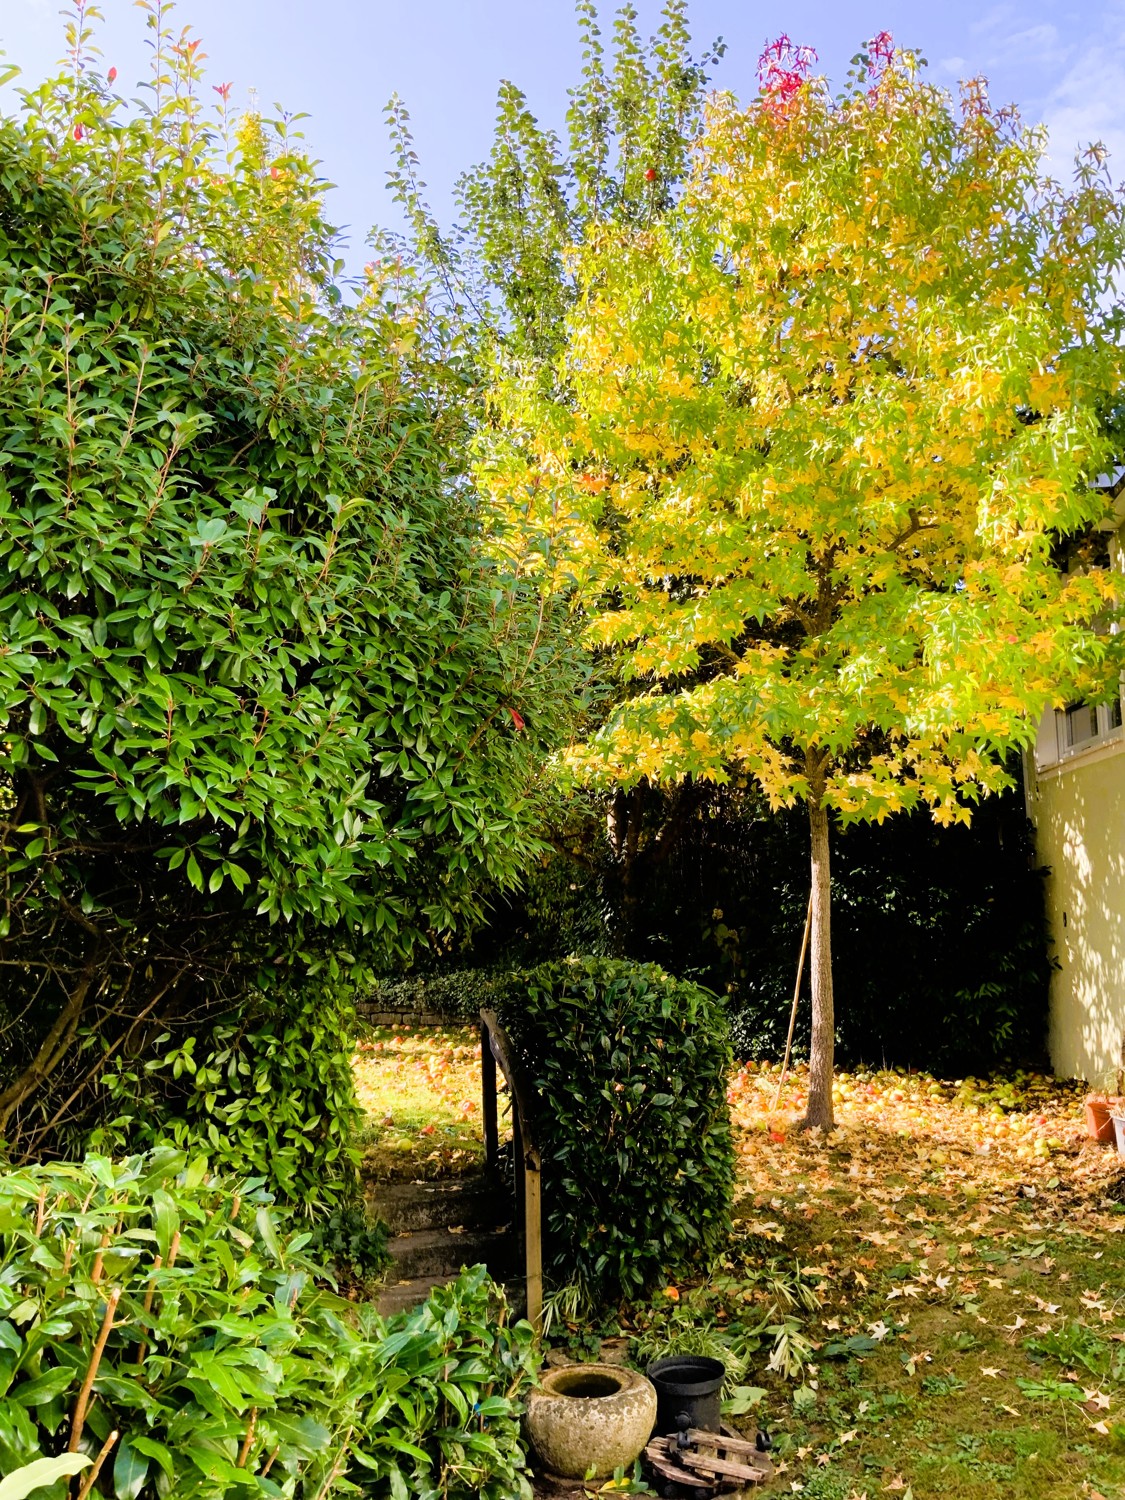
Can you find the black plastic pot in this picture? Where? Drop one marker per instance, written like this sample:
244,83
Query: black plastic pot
687,1392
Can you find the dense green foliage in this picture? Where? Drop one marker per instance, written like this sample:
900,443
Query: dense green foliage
224,1368
630,1068
941,960
257,677
269,1095
504,269
352,1242
941,951
438,985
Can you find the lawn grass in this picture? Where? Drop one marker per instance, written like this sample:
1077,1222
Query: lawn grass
968,1242
420,1091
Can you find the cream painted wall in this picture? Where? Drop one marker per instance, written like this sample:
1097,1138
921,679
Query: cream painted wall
1079,812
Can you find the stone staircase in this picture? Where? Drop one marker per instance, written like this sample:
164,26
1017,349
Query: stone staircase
438,1227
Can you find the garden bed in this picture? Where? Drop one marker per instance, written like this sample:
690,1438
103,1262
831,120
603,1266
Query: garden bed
967,1241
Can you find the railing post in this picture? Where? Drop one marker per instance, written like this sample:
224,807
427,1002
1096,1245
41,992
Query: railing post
518,1174
526,1163
488,1099
533,1239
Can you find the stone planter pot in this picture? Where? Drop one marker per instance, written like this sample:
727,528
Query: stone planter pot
586,1417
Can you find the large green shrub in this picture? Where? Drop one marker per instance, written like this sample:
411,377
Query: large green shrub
630,1066
269,1094
223,1367
266,708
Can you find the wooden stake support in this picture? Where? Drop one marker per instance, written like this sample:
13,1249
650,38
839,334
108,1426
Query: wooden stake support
796,998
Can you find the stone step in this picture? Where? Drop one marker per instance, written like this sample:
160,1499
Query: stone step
472,1203
437,1252
401,1296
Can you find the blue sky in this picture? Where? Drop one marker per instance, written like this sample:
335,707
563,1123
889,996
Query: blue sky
339,60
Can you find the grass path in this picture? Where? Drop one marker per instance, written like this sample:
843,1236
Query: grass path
420,1091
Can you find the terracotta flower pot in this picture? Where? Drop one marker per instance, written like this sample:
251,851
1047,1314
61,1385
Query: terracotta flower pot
1099,1119
587,1417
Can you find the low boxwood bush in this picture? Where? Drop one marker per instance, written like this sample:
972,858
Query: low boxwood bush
630,1066
185,1317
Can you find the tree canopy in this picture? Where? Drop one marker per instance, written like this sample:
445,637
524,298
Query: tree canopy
824,422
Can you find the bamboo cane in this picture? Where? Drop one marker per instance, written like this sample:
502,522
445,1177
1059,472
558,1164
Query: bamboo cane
82,1402
796,998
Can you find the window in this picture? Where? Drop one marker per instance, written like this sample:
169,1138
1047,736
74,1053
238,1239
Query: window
1067,732
1079,725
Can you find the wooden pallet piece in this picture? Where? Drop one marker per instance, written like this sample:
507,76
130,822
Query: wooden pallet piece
726,1442
706,1463
713,1462
660,1463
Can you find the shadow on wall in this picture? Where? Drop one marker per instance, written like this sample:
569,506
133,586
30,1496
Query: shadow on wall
1080,817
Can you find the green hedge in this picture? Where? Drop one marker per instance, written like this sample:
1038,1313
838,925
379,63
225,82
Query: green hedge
266,1093
940,947
457,994
631,1070
227,1371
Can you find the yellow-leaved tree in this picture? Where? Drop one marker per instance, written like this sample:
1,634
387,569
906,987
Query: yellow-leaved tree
824,424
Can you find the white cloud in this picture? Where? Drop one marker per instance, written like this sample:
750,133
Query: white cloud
1087,104
1088,107
953,67
1074,74
1005,36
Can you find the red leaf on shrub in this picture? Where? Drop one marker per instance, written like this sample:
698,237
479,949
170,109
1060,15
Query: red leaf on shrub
518,719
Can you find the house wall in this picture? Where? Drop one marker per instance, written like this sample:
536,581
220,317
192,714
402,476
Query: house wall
1078,808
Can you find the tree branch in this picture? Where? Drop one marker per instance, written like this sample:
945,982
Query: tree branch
53,1047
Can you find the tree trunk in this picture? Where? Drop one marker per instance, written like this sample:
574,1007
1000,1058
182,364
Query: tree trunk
821,1057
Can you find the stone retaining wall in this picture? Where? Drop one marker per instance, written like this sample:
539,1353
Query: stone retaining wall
375,1015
